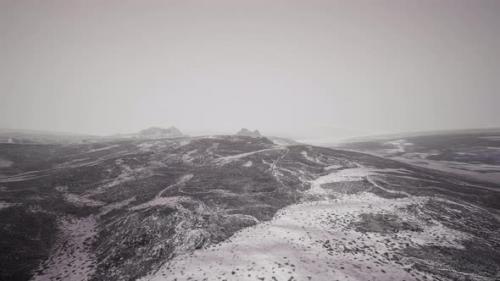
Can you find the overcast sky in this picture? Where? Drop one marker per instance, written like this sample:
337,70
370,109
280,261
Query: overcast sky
297,68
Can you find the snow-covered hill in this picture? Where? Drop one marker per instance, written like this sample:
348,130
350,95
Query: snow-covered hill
238,208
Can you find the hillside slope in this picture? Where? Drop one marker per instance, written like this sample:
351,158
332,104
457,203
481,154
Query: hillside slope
235,207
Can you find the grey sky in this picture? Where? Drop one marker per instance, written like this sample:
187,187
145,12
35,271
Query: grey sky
299,68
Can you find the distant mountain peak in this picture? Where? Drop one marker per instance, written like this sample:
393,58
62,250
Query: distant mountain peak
246,132
158,132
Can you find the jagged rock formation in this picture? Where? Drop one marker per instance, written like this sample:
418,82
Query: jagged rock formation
247,133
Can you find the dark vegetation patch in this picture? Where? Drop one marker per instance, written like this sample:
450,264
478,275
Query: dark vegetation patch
472,220
27,157
25,240
384,223
349,187
481,254
477,258
129,245
422,182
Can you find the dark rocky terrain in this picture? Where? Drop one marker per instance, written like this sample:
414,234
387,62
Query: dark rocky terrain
474,153
245,208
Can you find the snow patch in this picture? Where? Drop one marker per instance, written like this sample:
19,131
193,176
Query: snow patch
493,138
188,157
346,175
103,148
73,258
400,146
127,174
310,158
116,206
333,167
228,159
172,202
82,201
5,205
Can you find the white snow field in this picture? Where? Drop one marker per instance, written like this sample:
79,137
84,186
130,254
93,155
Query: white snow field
317,241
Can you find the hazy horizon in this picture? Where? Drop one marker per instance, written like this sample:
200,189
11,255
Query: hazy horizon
314,69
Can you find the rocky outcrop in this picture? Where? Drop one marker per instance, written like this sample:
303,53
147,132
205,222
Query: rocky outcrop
247,133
